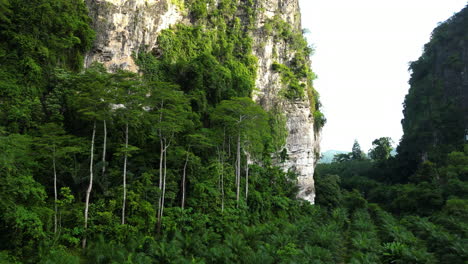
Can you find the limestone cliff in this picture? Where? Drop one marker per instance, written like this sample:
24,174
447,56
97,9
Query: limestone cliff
303,141
435,108
125,27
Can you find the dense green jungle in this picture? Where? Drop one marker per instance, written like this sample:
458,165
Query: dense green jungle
99,167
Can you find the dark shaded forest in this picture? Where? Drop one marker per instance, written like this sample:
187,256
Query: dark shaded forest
179,165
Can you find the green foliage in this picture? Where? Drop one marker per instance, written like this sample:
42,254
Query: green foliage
296,75
435,113
412,208
423,221
445,245
193,96
356,153
354,200
319,120
5,10
36,37
381,149
216,61
282,30
341,157
243,117
423,199
328,190
21,197
295,89
279,132
59,255
364,238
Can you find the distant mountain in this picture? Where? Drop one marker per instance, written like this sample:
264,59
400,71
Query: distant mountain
327,156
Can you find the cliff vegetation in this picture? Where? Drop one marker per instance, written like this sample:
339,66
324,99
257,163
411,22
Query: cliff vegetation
177,164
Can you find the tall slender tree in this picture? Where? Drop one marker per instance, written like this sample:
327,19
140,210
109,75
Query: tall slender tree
248,122
169,116
90,185
93,99
356,152
54,144
129,110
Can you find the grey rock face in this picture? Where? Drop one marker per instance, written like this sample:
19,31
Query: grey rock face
125,27
303,141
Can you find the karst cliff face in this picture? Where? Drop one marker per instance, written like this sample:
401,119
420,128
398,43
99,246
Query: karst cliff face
125,27
436,106
303,141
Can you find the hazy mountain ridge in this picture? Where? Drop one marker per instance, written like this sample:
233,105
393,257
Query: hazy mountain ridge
327,156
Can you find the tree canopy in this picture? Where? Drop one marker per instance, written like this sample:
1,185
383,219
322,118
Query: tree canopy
177,164
381,149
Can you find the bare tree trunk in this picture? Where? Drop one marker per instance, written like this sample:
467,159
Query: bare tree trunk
125,175
90,186
183,178
163,183
161,158
238,172
55,190
104,149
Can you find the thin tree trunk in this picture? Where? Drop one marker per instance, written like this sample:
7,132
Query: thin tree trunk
55,190
125,174
238,170
164,183
104,150
161,158
218,152
90,186
163,190
183,178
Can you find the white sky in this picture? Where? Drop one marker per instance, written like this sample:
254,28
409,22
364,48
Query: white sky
363,48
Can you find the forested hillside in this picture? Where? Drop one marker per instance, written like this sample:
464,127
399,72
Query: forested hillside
177,164
413,206
174,164
436,108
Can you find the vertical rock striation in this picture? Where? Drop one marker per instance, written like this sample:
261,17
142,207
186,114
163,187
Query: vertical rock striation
125,27
303,141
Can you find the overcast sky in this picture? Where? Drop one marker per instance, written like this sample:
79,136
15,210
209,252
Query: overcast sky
362,51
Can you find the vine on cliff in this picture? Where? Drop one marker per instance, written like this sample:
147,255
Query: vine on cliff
296,75
211,58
